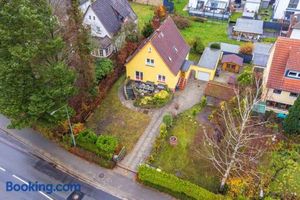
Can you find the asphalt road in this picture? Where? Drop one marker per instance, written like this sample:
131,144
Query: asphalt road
19,166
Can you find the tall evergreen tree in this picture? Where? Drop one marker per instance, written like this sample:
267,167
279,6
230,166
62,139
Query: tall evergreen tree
34,79
291,124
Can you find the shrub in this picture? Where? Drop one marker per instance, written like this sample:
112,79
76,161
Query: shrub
87,136
181,22
104,66
247,48
147,30
199,19
198,46
171,184
291,124
215,46
106,144
157,100
168,120
77,128
246,77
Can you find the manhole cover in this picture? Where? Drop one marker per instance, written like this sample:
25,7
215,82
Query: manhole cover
101,175
76,195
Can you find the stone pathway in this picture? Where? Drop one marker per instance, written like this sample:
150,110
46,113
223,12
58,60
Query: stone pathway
185,99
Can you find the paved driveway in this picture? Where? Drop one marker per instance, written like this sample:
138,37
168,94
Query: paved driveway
185,99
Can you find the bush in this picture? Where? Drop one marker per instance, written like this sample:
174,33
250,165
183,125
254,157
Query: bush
181,22
246,77
103,145
147,30
199,19
291,124
157,100
247,48
215,46
104,66
172,185
198,46
168,120
107,144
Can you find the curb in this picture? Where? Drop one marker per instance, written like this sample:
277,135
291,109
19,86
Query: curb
47,157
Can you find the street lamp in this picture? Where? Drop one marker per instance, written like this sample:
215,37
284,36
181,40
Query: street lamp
69,121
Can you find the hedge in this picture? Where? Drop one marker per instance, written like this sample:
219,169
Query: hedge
174,186
102,145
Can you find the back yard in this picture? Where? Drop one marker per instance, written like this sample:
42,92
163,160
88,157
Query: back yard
113,118
186,159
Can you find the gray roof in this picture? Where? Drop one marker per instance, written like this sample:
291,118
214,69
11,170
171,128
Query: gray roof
248,14
249,26
186,65
82,1
262,48
231,48
260,60
209,58
110,13
261,53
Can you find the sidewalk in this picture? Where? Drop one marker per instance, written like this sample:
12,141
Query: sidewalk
112,182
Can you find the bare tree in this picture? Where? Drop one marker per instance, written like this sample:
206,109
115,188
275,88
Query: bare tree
240,144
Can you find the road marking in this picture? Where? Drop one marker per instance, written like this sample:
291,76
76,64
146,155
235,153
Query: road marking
20,179
46,195
42,193
2,169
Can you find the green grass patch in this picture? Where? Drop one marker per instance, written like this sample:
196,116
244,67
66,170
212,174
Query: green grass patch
234,16
266,13
185,159
144,13
113,118
179,6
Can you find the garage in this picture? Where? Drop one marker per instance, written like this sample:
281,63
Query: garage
203,76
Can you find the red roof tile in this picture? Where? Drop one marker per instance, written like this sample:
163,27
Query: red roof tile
169,44
233,59
285,57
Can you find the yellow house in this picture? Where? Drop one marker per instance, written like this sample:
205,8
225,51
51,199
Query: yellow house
161,58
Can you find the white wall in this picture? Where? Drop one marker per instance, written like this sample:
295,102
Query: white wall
92,20
251,7
295,34
83,7
280,7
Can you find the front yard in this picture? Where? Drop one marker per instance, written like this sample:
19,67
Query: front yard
112,118
186,160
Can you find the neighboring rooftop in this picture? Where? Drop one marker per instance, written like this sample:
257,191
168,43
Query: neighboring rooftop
261,53
230,48
110,12
210,57
286,56
186,65
232,58
249,26
219,90
169,44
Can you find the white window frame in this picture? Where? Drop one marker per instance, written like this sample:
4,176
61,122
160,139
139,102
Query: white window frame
94,18
161,78
150,62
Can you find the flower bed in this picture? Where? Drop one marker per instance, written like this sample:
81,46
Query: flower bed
156,100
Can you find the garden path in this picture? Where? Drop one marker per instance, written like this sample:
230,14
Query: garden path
185,99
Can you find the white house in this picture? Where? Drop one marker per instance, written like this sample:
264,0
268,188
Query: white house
283,9
84,4
105,18
210,8
252,6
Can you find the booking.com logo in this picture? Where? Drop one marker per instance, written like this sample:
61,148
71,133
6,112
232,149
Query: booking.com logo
40,187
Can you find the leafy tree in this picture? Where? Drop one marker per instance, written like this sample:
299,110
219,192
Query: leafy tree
198,46
168,120
147,30
291,124
246,77
281,175
247,48
103,67
34,80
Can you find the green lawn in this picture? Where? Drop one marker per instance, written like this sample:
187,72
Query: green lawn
266,13
113,118
179,6
144,13
234,16
186,160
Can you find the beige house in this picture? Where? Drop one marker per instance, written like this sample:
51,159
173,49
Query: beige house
281,82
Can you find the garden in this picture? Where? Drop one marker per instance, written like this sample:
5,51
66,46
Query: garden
114,119
183,158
